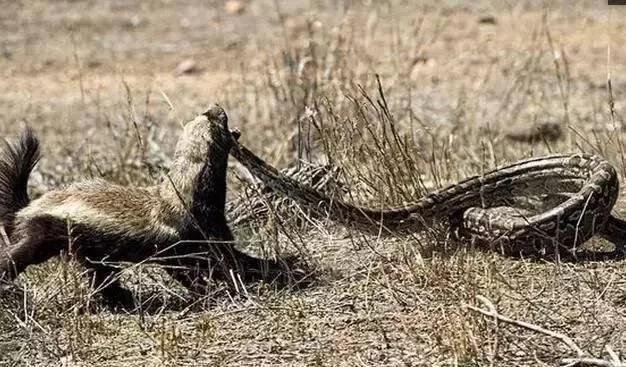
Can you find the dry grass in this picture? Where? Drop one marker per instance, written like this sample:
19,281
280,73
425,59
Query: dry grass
96,80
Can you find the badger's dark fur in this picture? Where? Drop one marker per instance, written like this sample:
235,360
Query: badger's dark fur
179,222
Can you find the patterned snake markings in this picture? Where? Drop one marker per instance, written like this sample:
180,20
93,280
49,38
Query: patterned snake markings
536,206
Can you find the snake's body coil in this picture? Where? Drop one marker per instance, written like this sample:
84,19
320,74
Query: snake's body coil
544,204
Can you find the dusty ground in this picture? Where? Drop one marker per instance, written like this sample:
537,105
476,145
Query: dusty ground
91,76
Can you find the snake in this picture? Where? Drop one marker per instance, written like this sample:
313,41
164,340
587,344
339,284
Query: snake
540,205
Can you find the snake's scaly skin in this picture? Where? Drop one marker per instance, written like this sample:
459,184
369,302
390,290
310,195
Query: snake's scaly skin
509,208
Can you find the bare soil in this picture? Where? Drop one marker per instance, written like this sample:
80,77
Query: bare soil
101,83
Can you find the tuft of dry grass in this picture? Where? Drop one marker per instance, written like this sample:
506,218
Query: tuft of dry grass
404,97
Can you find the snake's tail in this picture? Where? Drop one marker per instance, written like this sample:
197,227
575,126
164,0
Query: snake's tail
615,232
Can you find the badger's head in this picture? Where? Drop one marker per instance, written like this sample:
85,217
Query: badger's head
206,135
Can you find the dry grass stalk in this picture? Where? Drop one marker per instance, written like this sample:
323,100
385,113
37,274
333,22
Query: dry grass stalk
448,87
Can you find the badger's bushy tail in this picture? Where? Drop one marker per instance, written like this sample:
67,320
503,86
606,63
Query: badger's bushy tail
17,160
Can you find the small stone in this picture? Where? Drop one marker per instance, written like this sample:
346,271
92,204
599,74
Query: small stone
537,132
136,21
420,59
187,66
488,19
234,7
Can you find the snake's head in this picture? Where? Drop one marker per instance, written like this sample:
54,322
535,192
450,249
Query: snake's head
236,133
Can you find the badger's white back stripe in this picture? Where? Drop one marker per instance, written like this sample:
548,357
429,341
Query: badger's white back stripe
115,223
82,212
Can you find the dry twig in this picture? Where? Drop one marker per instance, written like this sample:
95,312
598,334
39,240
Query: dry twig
590,362
492,312
580,360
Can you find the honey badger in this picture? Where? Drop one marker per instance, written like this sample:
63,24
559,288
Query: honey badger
179,222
